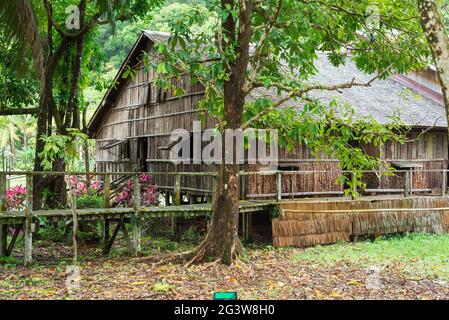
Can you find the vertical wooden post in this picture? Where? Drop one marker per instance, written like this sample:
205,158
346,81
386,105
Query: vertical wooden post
244,182
214,186
2,191
28,225
354,187
107,191
3,227
177,192
74,225
106,235
246,226
243,219
406,183
3,240
249,222
136,220
176,202
411,182
278,186
443,183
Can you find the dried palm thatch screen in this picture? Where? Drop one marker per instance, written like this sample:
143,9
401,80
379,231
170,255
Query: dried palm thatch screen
308,223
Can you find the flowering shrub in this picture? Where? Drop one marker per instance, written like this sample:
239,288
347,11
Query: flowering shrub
15,197
80,186
149,195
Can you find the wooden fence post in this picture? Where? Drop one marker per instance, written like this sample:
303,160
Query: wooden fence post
106,204
176,202
3,207
107,191
278,186
74,225
136,220
443,183
354,187
177,192
28,225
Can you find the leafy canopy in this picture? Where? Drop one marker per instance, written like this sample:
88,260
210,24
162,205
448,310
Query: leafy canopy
285,39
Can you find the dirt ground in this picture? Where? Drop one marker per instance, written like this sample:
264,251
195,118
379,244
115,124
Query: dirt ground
266,273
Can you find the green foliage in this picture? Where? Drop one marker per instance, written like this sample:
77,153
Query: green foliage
65,147
422,255
282,60
191,235
89,201
161,244
9,262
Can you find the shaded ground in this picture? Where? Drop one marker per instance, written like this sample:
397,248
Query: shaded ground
413,267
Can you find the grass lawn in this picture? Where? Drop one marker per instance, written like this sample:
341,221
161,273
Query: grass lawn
421,255
413,266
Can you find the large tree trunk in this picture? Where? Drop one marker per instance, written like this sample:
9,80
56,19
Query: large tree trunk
222,242
435,32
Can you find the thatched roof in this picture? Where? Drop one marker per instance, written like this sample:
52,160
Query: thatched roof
379,100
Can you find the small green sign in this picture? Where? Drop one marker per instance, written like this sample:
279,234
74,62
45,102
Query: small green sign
225,295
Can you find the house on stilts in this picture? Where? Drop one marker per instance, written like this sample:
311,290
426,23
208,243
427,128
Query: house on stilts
133,123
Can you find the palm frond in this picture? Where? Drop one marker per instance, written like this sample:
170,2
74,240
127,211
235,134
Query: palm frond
20,25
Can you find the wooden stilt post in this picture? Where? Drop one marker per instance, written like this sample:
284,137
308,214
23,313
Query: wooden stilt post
243,219
74,225
244,180
3,227
106,235
249,221
411,182
107,204
278,186
136,220
3,240
176,202
443,183
28,225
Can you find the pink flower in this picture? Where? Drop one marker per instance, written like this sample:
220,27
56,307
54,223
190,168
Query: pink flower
148,192
15,197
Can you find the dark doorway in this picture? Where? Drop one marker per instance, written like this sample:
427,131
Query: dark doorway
143,151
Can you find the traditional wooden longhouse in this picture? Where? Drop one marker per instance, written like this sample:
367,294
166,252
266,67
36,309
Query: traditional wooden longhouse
133,123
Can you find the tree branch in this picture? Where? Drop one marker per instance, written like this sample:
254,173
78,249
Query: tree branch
18,111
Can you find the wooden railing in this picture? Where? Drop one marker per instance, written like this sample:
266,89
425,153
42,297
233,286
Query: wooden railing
281,184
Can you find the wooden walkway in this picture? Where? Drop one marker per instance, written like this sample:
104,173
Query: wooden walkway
192,210
19,220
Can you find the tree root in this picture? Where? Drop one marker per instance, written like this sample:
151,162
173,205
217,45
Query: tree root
201,254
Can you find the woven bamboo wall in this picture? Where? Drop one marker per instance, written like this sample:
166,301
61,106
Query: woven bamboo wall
305,224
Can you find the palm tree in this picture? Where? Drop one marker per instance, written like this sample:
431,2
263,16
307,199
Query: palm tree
19,23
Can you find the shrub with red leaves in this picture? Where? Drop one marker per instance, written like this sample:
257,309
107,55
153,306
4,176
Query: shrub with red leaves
15,197
149,193
80,185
